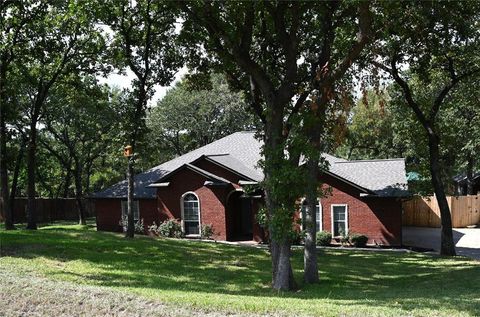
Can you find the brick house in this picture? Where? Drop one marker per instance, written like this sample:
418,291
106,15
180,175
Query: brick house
206,186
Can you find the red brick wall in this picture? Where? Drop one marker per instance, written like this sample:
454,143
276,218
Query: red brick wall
149,212
212,200
109,211
378,218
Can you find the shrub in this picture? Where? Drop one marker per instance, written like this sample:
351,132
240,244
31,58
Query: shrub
169,229
139,227
324,238
206,231
358,240
261,218
344,238
297,237
153,228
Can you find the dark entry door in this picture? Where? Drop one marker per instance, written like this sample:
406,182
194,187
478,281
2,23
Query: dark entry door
240,221
246,221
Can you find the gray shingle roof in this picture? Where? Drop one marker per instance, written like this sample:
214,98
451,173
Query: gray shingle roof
241,145
241,152
236,165
383,177
463,177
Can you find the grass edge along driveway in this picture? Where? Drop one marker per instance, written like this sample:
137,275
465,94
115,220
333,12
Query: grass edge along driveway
236,279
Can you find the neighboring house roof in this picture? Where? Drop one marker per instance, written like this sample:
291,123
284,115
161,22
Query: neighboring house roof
413,176
241,151
463,177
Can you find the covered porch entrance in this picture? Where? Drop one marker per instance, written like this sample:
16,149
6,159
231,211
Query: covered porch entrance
240,219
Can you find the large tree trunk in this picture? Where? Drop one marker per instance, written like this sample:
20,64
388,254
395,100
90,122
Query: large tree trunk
310,251
79,194
66,185
31,161
282,273
314,129
16,173
447,246
130,217
31,157
88,174
4,192
470,180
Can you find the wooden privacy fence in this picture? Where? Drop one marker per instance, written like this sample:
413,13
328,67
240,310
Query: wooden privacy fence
424,211
51,209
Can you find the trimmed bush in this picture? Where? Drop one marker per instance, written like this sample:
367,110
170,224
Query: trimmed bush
358,240
169,229
324,238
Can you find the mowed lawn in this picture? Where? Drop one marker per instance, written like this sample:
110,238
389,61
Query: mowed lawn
236,279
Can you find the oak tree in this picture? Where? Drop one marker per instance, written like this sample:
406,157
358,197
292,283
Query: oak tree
424,43
281,54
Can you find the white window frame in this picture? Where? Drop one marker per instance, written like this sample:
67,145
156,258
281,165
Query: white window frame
319,204
199,214
320,214
135,203
333,220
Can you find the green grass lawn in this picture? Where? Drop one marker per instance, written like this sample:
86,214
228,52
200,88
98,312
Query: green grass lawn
236,279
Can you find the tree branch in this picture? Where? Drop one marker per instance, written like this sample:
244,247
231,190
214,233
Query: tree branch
444,92
231,51
409,97
363,37
289,43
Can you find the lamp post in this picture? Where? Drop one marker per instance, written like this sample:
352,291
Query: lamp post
128,153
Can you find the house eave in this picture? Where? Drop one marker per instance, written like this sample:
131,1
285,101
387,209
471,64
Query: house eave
244,182
159,185
211,183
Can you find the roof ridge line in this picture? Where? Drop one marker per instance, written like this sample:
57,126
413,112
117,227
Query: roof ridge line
371,160
193,151
220,154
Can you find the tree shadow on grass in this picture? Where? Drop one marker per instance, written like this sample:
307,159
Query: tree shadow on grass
408,281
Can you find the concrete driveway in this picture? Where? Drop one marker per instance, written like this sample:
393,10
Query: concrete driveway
467,241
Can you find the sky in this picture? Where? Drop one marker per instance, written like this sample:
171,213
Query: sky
124,81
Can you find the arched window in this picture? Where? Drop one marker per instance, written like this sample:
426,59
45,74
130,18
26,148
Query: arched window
319,214
191,214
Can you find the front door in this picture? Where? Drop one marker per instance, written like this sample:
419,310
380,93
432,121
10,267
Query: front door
239,217
246,221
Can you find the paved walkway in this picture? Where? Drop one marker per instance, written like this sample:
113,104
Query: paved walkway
467,241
